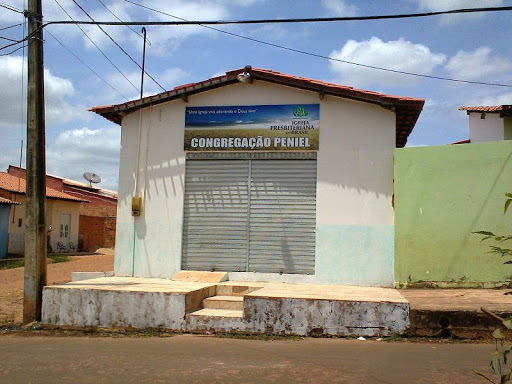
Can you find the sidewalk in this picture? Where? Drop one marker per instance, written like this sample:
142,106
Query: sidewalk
456,312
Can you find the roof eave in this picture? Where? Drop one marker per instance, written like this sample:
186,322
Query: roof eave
407,109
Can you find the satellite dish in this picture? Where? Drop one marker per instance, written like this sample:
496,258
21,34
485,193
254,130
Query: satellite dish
92,178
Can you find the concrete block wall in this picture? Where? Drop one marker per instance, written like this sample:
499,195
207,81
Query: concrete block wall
442,195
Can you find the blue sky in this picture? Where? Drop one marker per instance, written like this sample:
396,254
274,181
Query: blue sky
250,114
474,47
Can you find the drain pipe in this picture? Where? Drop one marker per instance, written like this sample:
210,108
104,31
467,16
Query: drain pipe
137,198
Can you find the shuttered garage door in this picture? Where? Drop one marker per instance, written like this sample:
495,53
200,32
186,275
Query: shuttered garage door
250,215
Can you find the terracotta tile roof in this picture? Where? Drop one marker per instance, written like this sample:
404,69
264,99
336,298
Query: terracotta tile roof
7,201
99,191
503,110
407,109
467,141
14,184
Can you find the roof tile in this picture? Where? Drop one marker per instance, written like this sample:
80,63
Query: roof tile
407,109
7,201
17,185
488,108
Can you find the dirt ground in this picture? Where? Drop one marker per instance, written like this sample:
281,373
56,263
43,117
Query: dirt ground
11,281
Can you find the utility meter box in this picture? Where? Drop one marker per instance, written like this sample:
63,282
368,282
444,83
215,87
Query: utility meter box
136,205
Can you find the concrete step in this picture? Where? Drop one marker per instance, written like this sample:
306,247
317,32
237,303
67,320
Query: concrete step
200,276
235,290
224,302
209,312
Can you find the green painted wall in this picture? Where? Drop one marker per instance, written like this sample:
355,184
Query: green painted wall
442,194
507,125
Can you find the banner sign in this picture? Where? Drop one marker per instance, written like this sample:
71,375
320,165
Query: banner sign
290,127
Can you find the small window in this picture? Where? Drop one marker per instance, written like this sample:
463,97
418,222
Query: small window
20,222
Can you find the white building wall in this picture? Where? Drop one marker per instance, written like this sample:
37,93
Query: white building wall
488,129
355,184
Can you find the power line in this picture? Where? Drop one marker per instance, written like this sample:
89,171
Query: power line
22,40
289,20
11,8
98,48
6,38
130,28
12,44
331,58
16,50
10,26
121,48
88,67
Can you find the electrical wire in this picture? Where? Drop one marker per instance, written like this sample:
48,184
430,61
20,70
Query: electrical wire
12,44
296,20
6,38
16,50
36,31
328,57
11,8
11,26
99,49
87,66
121,48
130,28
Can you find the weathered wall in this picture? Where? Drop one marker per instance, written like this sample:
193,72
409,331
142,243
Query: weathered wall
354,186
442,194
96,232
16,242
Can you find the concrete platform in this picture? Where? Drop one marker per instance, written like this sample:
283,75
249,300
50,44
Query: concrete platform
456,312
267,307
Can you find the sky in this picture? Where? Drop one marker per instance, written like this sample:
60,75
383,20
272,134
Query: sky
84,68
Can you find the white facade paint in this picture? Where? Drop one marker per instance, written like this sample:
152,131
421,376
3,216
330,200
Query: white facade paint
354,242
490,128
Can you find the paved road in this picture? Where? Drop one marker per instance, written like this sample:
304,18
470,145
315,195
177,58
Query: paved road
194,359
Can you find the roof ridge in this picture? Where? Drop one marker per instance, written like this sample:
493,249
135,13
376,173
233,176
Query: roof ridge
407,109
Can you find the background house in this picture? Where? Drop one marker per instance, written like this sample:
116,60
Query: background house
489,123
97,210
5,211
62,214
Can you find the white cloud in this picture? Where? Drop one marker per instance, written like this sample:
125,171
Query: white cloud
169,78
501,99
57,91
86,150
446,5
479,65
399,55
163,39
339,8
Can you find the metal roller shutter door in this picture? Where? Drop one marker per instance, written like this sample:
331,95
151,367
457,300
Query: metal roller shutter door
282,216
215,215
250,215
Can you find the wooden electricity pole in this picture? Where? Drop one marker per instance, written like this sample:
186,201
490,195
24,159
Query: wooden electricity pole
35,227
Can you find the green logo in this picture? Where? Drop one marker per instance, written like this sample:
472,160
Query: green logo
300,112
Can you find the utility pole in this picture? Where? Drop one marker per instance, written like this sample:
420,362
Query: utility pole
35,227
